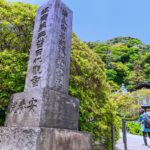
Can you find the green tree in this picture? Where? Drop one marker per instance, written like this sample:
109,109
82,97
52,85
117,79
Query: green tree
129,41
142,95
136,76
126,60
127,105
145,64
16,25
88,83
12,76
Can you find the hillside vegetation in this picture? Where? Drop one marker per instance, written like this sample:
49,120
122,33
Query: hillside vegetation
127,60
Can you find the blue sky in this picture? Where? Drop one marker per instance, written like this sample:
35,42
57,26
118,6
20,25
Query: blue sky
100,20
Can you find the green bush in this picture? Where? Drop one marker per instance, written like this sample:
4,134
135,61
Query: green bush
88,83
134,128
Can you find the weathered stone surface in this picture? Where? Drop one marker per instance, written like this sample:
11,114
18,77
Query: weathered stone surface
43,108
18,138
43,139
48,71
49,62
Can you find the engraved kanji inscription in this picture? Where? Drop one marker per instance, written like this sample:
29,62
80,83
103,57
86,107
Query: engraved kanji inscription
23,105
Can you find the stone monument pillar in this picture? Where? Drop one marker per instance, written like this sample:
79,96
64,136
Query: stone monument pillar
44,116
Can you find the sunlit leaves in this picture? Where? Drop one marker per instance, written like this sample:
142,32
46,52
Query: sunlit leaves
16,24
126,60
88,84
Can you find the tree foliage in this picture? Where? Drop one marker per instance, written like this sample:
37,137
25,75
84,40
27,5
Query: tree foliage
127,105
16,25
88,83
142,95
12,76
126,60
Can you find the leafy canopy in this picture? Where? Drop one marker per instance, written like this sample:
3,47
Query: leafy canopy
127,60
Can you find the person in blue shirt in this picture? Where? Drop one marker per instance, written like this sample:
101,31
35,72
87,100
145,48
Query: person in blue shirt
146,131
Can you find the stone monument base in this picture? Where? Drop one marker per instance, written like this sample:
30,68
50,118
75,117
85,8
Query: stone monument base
26,138
43,108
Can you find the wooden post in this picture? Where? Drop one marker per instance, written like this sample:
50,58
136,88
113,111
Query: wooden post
124,134
113,137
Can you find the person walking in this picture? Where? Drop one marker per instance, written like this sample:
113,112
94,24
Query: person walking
145,128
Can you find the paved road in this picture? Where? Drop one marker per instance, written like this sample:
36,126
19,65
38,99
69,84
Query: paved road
134,143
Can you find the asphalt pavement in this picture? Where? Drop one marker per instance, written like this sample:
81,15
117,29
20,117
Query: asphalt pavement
134,142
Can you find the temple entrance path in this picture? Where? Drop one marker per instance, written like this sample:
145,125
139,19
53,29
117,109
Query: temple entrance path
134,142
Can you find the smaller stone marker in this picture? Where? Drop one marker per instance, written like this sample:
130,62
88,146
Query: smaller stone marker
44,116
